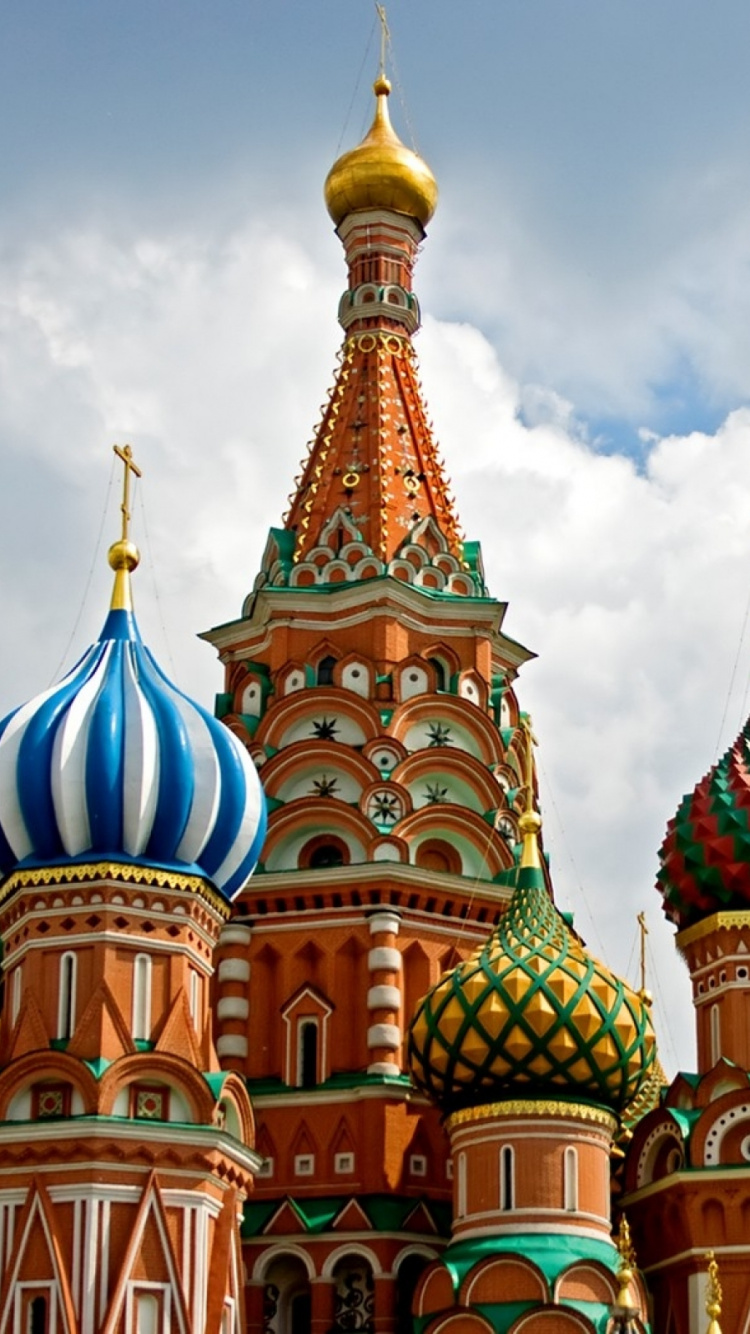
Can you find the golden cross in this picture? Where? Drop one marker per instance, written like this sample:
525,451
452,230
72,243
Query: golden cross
385,35
644,933
125,453
531,741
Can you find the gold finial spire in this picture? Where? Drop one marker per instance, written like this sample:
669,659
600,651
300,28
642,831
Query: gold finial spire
713,1294
124,555
385,37
626,1267
644,993
530,822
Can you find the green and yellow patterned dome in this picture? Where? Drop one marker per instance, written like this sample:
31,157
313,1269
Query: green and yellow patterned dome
531,1013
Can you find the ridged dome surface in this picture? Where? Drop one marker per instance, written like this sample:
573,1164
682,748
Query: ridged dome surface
705,856
531,1013
381,172
114,761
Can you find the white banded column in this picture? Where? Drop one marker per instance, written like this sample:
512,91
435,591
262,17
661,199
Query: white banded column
233,1006
384,997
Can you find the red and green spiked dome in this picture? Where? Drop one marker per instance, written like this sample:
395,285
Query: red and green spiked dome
705,856
531,1013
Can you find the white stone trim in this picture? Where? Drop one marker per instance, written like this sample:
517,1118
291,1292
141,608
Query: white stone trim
384,1068
235,935
384,1035
231,1044
234,970
383,998
385,921
385,958
232,1007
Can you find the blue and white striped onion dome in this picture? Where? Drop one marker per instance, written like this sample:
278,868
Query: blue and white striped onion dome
115,762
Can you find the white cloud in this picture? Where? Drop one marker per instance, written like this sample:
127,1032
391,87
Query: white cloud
211,355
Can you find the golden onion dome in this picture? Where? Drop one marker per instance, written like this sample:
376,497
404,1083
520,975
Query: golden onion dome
531,1013
381,172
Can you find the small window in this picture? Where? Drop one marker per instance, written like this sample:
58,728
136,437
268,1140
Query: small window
304,1164
343,1163
570,1184
507,1178
196,1000
461,1186
328,854
37,1316
418,1165
150,1102
266,1168
67,996
307,1073
147,1313
714,1020
439,670
49,1101
142,998
16,993
325,670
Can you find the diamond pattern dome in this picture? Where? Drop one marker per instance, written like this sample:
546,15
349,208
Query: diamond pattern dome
531,1012
705,856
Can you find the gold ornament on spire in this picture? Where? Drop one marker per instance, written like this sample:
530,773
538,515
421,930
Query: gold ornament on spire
713,1294
381,172
123,556
530,822
626,1267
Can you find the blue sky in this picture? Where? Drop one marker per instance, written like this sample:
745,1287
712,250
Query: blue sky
168,275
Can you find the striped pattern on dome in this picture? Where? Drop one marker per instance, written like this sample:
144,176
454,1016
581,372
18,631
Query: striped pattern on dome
115,761
531,1011
705,856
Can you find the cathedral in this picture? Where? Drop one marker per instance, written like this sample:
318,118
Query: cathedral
294,1037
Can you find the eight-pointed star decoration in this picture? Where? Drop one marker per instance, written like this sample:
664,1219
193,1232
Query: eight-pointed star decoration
439,734
324,729
325,786
435,793
384,808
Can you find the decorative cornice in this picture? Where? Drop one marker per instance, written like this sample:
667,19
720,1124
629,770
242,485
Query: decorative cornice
126,872
718,921
532,1107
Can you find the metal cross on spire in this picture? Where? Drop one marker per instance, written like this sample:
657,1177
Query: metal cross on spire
125,453
644,932
385,36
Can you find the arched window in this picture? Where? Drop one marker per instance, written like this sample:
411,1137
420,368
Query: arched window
714,1019
439,669
66,1010
328,854
325,670
37,1316
461,1185
142,997
307,1068
507,1178
409,1273
570,1180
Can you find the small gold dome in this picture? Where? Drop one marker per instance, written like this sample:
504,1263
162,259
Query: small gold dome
381,172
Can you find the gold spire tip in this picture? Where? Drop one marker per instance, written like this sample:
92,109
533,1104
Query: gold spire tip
713,1294
626,1267
123,555
530,822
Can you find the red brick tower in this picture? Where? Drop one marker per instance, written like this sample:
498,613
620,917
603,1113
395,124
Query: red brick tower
688,1168
370,678
126,823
